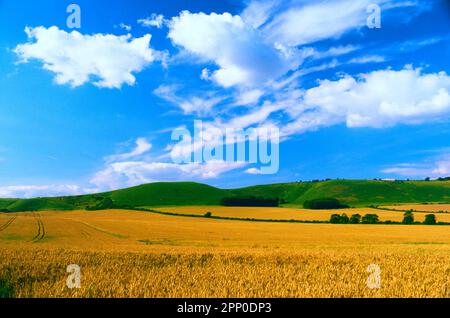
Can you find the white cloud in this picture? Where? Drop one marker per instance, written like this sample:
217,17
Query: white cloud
142,146
317,20
243,57
433,168
368,59
377,99
123,174
190,104
107,60
253,171
126,27
249,97
33,191
155,20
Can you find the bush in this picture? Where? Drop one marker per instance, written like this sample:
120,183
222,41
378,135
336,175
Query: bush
430,219
323,204
370,219
408,218
355,219
208,215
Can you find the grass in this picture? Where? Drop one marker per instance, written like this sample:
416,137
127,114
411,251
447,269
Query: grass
154,255
357,193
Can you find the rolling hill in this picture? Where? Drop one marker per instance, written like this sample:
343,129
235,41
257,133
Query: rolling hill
351,192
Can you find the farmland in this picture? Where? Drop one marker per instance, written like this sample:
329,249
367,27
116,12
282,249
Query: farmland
294,214
141,254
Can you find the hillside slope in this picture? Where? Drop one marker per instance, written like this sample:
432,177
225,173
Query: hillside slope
351,192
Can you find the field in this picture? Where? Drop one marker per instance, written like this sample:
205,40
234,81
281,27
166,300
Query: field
294,214
141,254
431,208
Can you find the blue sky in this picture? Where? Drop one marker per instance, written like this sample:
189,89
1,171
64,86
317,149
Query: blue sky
93,108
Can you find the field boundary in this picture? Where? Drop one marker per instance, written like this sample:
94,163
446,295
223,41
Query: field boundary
272,220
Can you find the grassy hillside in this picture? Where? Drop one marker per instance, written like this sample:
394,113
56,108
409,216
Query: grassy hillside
160,194
351,192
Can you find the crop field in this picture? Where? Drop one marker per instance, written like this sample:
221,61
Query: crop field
141,254
267,213
436,208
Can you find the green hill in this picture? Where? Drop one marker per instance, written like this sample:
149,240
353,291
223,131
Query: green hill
350,192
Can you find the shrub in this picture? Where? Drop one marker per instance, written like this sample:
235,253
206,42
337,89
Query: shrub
355,219
208,215
323,204
430,219
370,219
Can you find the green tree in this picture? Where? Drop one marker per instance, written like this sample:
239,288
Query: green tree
344,218
408,218
335,219
430,219
370,219
355,219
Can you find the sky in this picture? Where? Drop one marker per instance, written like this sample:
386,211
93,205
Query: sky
91,94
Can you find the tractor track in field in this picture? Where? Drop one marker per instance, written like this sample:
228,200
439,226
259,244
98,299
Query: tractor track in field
40,229
8,223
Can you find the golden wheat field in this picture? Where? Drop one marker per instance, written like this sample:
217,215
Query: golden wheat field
141,254
297,214
421,207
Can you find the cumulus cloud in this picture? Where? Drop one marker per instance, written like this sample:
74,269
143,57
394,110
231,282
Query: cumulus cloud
243,57
120,174
131,168
377,99
107,60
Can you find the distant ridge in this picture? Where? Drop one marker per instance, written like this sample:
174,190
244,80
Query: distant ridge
351,192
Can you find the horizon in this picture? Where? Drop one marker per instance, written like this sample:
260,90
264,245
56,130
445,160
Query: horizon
90,105
440,179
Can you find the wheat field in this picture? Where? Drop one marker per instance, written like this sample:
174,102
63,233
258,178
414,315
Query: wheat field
298,214
140,254
441,208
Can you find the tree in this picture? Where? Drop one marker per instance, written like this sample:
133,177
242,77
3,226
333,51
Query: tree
370,219
208,215
335,219
430,219
344,218
355,219
323,204
408,218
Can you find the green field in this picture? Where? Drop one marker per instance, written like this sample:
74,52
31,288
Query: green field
354,193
